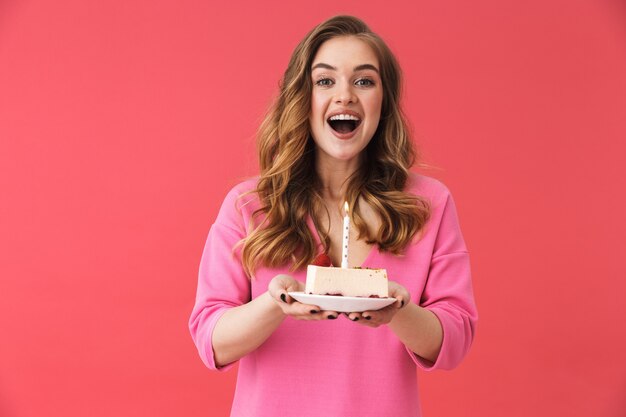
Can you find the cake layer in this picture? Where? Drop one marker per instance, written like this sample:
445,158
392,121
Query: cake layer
348,282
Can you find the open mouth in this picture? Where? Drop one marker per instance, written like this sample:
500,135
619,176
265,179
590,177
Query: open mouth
344,123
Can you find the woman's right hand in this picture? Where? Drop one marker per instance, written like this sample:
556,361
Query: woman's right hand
278,289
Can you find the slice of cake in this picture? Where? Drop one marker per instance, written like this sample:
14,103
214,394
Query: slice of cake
349,282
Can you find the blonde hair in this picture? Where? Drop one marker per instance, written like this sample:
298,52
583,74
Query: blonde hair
288,187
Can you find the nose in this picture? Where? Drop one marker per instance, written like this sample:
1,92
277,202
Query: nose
344,94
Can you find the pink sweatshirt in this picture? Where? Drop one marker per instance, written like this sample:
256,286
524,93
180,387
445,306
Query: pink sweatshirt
337,368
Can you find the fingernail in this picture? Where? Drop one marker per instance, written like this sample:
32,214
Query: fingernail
314,311
367,317
283,297
332,317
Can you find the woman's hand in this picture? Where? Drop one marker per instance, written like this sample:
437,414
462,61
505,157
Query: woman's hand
384,315
278,288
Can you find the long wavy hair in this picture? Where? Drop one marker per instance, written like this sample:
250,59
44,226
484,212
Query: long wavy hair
289,187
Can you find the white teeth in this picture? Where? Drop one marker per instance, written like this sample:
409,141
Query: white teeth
344,117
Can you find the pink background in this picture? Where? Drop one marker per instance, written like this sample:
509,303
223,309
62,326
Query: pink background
124,123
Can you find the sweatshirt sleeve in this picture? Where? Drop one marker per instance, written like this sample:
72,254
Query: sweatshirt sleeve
222,282
448,291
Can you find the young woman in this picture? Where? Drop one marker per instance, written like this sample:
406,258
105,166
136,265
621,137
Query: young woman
336,133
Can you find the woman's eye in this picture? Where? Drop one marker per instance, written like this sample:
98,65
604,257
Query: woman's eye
364,82
324,82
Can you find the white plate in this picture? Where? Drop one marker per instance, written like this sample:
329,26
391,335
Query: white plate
342,304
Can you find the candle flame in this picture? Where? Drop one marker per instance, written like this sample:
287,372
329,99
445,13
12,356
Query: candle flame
345,207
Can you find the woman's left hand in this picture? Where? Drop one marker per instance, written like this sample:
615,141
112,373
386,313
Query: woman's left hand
384,315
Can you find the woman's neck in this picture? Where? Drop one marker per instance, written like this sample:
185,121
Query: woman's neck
333,176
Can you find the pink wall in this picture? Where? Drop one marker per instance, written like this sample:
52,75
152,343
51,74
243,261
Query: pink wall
123,124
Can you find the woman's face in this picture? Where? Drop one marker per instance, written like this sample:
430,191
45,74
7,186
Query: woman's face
346,99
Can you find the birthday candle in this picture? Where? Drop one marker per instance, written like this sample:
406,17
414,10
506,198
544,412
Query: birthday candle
346,236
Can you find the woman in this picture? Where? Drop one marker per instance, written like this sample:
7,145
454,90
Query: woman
336,133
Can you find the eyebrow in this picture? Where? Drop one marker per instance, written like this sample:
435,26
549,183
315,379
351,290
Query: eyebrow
357,68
